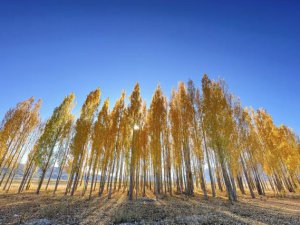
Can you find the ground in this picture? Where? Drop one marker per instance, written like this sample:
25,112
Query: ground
29,208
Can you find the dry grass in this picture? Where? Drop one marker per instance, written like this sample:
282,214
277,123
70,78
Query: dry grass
176,209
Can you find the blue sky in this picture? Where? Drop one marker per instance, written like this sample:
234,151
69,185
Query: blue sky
51,48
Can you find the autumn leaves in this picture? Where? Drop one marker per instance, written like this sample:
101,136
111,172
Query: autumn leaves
165,148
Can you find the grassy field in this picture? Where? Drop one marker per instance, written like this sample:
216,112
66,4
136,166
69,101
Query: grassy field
29,208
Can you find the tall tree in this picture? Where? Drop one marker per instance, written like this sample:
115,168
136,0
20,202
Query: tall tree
176,134
117,116
51,135
186,110
219,125
15,128
134,111
81,138
194,96
157,117
99,135
27,136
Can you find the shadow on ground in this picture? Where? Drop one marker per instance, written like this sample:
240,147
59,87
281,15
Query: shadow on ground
46,209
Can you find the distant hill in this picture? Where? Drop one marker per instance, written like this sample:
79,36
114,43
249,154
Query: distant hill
20,173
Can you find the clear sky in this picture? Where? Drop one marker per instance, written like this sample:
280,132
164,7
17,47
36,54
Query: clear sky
51,48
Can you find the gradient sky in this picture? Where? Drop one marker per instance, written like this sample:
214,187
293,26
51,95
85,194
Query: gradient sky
51,48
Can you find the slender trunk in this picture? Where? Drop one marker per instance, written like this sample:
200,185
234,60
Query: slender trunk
50,176
95,169
58,179
188,170
70,180
131,173
41,181
102,181
117,172
77,175
247,177
25,176
76,180
144,183
227,181
10,181
112,172
232,184
240,183
47,163
212,183
137,181
219,181
11,170
202,181
30,177
86,180
121,173
10,159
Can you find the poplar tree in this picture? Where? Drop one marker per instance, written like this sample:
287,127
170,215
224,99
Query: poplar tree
117,116
157,121
145,150
194,96
14,130
24,140
279,152
63,154
134,113
185,117
105,163
168,156
176,134
244,141
81,138
99,135
219,125
53,130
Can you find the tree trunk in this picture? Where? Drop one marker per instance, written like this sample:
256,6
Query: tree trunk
188,170
131,177
229,189
247,178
